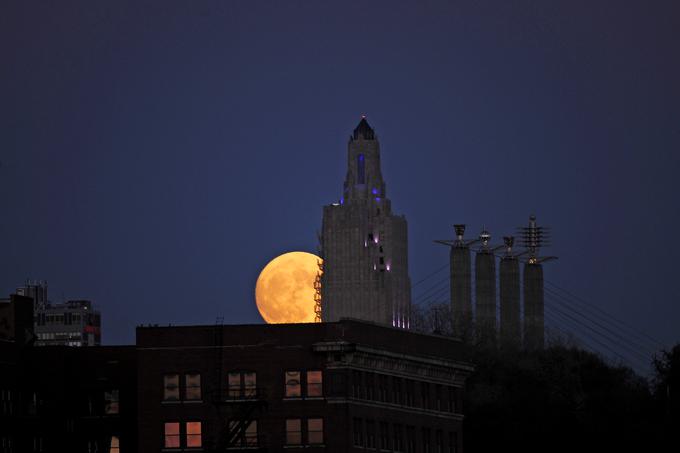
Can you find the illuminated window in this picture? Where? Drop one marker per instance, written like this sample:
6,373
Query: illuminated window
115,445
293,387
171,387
171,434
293,431
361,171
192,387
193,439
315,431
111,402
314,383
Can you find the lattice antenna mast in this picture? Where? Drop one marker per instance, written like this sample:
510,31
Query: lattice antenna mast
534,237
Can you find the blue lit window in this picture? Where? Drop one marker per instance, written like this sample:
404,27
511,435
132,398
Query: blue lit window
361,172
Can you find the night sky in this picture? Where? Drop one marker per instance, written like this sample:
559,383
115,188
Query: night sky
155,155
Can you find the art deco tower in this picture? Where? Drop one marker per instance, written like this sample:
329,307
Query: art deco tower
363,245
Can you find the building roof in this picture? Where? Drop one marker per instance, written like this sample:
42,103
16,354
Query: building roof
364,129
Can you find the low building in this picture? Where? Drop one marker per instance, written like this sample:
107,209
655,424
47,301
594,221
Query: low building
340,386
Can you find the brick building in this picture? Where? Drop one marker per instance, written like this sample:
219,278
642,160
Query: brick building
341,386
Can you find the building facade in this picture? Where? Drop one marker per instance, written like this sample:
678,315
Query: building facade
73,323
336,387
364,246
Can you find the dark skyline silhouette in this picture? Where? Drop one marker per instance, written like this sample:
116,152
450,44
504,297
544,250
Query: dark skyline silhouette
154,156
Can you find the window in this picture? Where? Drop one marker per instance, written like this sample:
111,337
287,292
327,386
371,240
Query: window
453,442
361,171
410,439
250,384
171,387
193,435
115,445
358,433
242,433
293,387
384,436
111,402
315,431
438,397
398,437
356,384
396,390
242,385
251,434
426,440
382,388
452,399
192,387
171,435
314,383
425,395
234,381
438,442
370,387
409,393
370,434
293,431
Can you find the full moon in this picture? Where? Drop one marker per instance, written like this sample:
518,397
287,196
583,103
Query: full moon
284,291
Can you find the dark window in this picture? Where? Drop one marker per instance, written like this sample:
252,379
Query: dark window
410,439
384,436
370,386
293,431
293,386
358,433
438,397
396,390
438,442
382,388
425,395
409,393
111,404
356,384
192,387
453,442
314,383
398,438
361,171
171,387
452,399
251,434
242,433
427,447
315,431
370,434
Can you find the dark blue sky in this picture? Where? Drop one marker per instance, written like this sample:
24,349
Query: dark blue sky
156,155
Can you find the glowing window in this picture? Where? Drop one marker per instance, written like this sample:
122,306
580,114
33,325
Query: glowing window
193,438
293,431
293,387
111,405
361,171
315,431
314,383
171,387
115,445
192,387
171,435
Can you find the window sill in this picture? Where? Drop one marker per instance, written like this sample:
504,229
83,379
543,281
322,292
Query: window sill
305,446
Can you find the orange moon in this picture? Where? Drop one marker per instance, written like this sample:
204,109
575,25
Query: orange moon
284,291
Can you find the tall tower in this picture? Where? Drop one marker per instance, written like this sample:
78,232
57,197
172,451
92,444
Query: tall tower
533,238
485,292
510,331
363,245
461,286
